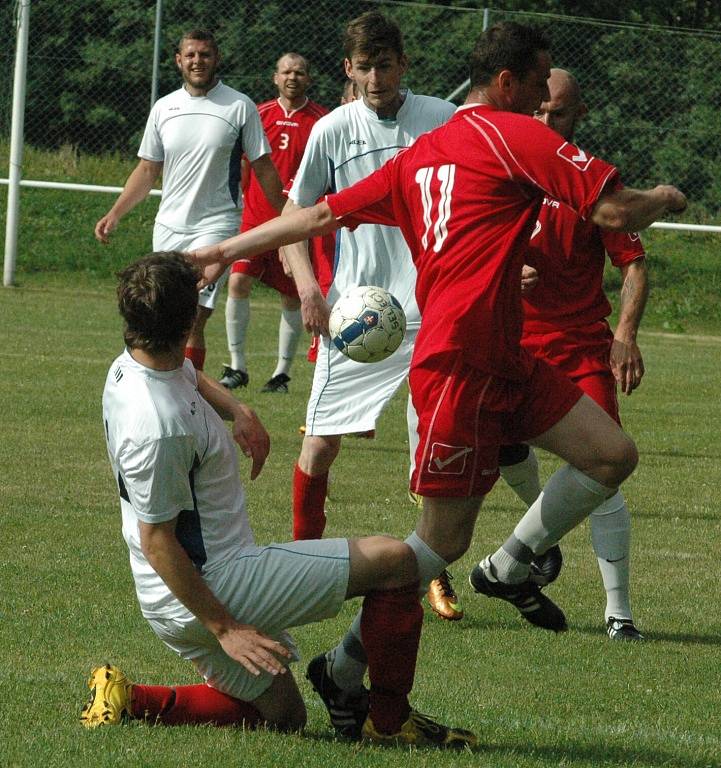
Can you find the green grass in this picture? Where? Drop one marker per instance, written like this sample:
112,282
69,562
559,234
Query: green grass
67,600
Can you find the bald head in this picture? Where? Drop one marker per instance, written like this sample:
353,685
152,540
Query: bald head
292,79
565,107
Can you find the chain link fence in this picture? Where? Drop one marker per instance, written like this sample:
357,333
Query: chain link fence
653,93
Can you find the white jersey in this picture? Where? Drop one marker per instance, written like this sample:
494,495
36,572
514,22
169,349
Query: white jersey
200,140
172,458
345,146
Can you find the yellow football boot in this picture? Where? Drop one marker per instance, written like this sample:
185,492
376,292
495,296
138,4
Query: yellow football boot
421,731
110,697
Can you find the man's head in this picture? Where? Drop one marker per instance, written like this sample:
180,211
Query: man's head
197,58
375,61
564,108
292,77
510,65
158,299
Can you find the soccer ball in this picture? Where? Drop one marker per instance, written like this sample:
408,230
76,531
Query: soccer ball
367,324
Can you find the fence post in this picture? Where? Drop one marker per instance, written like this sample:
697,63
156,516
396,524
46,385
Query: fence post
16,141
156,51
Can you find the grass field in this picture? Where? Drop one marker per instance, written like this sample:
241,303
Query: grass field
67,601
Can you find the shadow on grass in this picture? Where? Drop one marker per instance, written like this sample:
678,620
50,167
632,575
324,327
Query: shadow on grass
666,637
596,754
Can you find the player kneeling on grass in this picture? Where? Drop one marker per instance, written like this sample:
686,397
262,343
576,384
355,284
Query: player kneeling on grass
197,570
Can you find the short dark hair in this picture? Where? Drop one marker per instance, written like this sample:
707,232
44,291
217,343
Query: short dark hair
198,34
370,34
506,45
158,300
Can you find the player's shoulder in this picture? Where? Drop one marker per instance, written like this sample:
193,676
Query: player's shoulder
434,103
225,96
169,100
267,106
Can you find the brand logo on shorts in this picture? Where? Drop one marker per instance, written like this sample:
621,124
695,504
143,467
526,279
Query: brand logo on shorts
575,156
448,459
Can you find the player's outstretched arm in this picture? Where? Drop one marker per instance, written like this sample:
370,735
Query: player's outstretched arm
248,430
628,210
136,189
283,230
626,359
255,650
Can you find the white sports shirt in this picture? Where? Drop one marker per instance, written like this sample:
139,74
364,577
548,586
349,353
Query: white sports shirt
200,140
172,457
345,146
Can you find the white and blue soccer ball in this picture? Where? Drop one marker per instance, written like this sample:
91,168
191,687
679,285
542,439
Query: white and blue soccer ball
367,324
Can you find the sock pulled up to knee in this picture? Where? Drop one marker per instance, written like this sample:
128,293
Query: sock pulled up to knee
566,500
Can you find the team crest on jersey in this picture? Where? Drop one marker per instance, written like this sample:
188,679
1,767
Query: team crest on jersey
574,155
448,459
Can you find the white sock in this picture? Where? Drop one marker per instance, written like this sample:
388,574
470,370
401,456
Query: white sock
611,539
523,479
430,563
347,662
237,317
568,498
289,332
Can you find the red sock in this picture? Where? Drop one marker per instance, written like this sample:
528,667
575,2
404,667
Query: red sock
391,630
191,704
308,504
196,355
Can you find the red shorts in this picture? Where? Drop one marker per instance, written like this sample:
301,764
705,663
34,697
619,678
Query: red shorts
582,354
465,416
267,268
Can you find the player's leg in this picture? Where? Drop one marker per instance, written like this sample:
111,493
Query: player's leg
346,397
599,455
610,525
290,327
518,466
237,319
113,698
310,484
384,636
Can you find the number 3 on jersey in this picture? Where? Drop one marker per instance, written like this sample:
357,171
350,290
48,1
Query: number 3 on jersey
284,140
446,175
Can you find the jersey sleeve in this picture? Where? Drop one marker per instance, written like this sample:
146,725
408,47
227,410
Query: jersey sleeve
536,155
151,147
313,177
253,139
368,201
622,247
156,475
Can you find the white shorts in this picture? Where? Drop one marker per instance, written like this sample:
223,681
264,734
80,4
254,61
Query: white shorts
165,239
272,588
347,396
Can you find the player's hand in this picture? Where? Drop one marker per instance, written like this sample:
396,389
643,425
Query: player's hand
255,650
529,278
676,200
252,437
627,364
314,310
104,227
210,259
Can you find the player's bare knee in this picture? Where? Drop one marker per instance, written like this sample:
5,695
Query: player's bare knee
318,453
616,461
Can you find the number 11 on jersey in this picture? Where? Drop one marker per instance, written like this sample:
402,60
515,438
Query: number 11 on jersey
446,174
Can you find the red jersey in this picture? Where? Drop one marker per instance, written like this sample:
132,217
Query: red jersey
466,196
287,134
570,254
